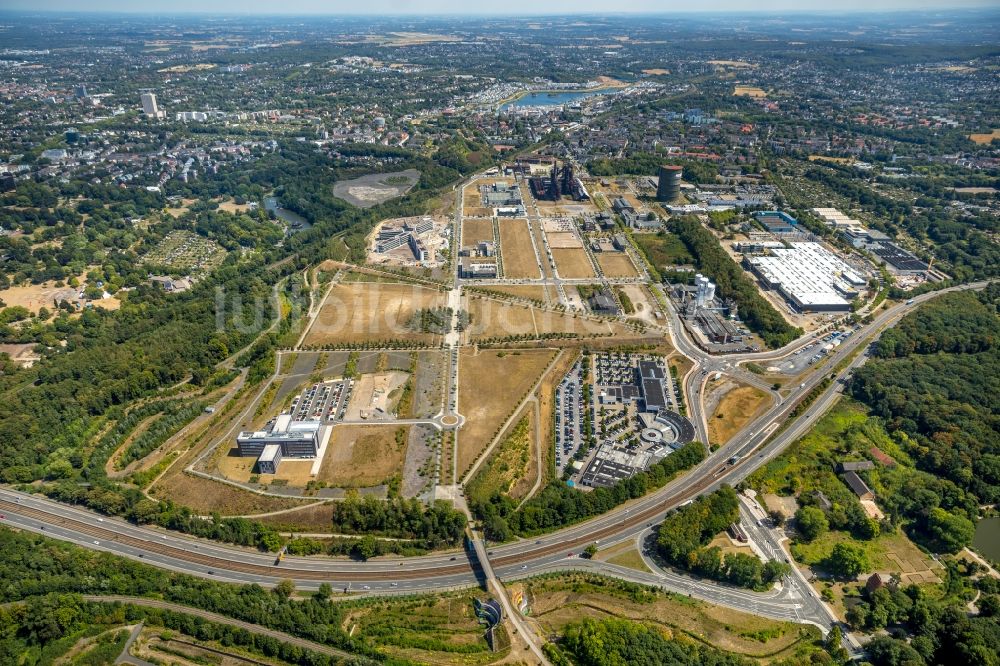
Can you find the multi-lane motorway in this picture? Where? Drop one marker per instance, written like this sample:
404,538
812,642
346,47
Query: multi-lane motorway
730,464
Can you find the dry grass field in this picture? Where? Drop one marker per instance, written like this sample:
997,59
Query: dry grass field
362,312
736,408
475,231
616,264
491,384
497,319
749,91
291,472
985,139
361,456
573,263
205,496
532,291
559,601
310,518
519,259
563,240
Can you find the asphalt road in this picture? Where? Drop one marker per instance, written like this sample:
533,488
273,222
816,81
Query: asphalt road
556,551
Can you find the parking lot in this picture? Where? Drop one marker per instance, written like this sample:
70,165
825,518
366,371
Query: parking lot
569,416
325,401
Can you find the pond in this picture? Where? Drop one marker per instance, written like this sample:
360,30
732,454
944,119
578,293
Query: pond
987,539
552,98
294,221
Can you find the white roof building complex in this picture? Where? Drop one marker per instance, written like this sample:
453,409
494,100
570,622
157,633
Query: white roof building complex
809,276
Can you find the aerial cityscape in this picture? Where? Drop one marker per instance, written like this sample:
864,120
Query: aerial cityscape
523,336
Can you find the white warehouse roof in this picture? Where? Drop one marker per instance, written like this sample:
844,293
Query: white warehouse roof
808,274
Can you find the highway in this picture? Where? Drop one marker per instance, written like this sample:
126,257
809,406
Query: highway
560,550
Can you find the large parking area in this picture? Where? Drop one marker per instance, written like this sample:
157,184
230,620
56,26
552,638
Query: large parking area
569,416
324,401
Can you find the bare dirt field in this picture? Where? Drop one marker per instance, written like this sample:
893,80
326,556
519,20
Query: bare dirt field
362,312
379,391
573,263
372,189
563,240
491,384
361,456
616,264
737,407
476,231
519,259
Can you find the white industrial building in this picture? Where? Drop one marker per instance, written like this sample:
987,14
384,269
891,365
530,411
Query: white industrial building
834,218
809,276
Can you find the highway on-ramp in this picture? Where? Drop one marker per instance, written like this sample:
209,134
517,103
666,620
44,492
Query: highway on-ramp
560,550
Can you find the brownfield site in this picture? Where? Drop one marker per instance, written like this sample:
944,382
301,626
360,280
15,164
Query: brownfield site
363,312
492,384
519,259
498,319
736,408
573,263
476,231
359,456
616,264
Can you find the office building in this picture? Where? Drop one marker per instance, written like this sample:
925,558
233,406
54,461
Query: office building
669,186
269,459
297,439
149,106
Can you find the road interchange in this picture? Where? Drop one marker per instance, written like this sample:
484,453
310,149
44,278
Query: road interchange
752,447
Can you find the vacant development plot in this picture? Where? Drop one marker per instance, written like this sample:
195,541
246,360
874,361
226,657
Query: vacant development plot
663,249
499,319
491,384
616,264
735,409
361,456
573,263
519,259
508,470
476,231
364,312
533,291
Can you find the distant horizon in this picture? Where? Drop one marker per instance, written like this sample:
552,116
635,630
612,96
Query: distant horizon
515,8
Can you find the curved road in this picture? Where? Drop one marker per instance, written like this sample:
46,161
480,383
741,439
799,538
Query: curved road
754,445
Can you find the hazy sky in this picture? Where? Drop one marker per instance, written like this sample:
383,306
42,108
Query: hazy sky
479,7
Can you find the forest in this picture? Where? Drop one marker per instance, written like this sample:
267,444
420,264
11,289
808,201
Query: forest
935,381
733,282
615,642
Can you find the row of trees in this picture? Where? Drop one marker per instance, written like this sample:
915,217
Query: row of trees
559,505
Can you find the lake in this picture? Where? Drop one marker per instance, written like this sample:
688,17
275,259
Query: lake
552,98
987,539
